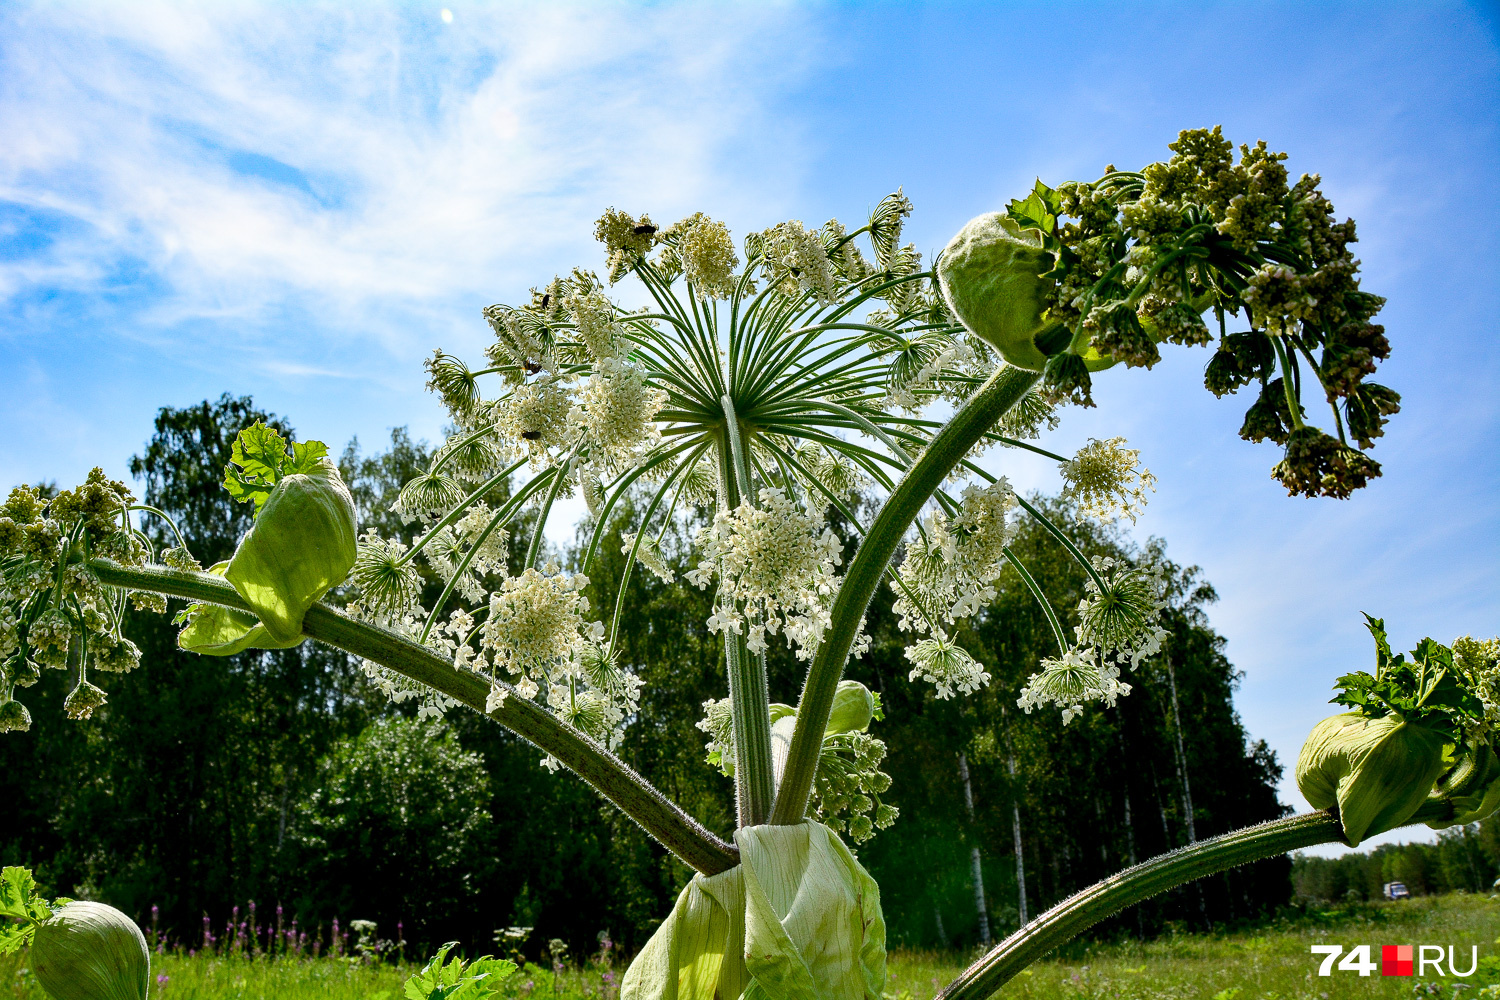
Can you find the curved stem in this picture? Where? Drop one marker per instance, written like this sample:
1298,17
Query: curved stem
610,777
1103,899
867,569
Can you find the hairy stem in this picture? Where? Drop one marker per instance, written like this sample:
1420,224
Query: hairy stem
1003,390
1103,899
609,776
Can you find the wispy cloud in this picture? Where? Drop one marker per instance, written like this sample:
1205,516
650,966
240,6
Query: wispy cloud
361,169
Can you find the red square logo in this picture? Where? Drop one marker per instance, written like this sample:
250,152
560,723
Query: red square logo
1395,959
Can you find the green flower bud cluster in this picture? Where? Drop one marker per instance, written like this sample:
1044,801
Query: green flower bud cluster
1074,279
846,792
53,612
1418,743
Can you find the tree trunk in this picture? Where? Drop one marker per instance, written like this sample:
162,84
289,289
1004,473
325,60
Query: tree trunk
975,865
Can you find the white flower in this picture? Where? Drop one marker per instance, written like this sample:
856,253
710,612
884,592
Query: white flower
950,570
387,586
648,555
707,254
535,417
1069,682
617,412
778,562
947,665
598,330
1122,621
1107,480
535,623
496,698
796,258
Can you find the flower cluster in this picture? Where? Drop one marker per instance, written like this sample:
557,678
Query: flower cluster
950,568
849,780
704,251
535,418
54,613
1071,680
775,566
795,259
1141,256
946,665
1119,626
1107,481
535,625
949,574
616,412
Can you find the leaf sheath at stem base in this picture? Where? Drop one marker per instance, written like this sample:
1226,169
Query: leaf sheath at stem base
1082,910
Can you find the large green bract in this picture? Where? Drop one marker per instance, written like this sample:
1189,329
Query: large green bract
767,401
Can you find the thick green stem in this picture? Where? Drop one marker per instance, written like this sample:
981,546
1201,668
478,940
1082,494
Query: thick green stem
749,693
951,443
610,776
1103,899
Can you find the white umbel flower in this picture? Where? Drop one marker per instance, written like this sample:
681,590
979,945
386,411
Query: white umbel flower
707,253
598,329
777,561
1123,620
617,413
1107,480
535,417
946,665
1071,681
535,623
950,574
796,258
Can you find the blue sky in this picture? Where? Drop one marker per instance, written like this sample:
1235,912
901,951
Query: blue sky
300,202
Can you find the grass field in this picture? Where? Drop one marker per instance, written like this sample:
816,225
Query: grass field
1270,963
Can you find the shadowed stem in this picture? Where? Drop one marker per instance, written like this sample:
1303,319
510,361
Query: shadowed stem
1103,899
610,777
1003,390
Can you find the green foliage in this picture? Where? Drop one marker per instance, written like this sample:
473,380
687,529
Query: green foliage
263,460
397,825
457,979
1462,859
19,901
1423,690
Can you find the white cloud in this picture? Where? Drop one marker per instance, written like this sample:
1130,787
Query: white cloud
364,169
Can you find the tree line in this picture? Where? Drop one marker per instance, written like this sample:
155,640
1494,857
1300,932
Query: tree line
288,778
1463,859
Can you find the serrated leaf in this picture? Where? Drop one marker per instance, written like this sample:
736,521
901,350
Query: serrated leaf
16,889
18,896
1038,211
1382,645
14,937
257,462
305,457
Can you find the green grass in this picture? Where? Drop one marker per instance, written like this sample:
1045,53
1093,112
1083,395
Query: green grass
1270,963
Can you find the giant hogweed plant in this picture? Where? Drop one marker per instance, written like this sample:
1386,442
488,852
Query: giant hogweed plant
764,389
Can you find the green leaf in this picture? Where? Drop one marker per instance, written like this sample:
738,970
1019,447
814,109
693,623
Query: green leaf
305,457
14,937
18,896
457,980
261,456
1039,211
1382,646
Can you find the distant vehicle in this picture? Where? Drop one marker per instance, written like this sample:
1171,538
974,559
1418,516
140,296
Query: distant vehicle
1396,890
